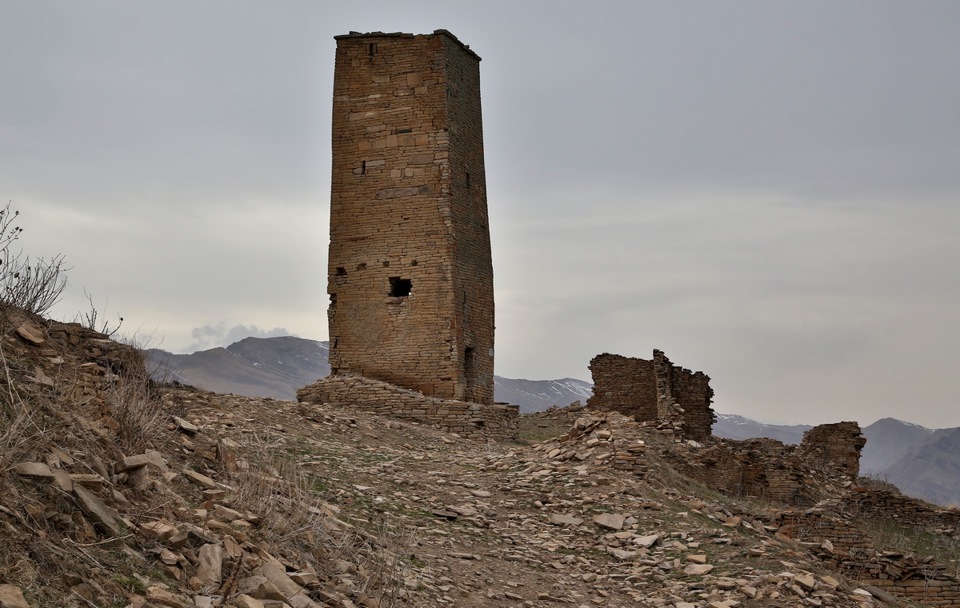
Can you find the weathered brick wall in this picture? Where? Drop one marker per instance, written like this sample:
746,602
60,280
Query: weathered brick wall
901,510
815,527
768,469
655,390
756,468
410,276
624,384
839,443
472,420
684,395
851,552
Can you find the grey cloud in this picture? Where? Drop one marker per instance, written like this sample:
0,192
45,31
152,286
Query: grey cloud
212,336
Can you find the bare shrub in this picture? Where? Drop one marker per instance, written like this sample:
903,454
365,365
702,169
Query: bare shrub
286,499
93,319
33,285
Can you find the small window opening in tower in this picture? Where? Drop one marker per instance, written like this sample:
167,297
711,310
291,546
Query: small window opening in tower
400,288
372,49
363,167
341,271
468,181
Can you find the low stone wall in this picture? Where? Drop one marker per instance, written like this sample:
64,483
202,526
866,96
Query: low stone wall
472,420
755,468
902,510
813,526
839,542
770,470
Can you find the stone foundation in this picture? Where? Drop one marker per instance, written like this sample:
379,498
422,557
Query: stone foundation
472,420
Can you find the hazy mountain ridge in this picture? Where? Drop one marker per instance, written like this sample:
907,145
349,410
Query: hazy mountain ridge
277,367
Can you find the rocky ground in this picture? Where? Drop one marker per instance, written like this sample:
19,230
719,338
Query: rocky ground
221,500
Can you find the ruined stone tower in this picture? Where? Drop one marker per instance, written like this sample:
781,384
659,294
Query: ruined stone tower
410,276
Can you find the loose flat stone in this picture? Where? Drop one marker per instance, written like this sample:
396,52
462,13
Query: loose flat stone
32,333
159,595
559,519
104,517
245,601
646,541
697,569
621,555
199,478
151,457
34,469
186,426
12,597
276,574
610,521
210,565
806,581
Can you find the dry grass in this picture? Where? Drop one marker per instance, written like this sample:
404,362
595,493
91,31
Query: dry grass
366,557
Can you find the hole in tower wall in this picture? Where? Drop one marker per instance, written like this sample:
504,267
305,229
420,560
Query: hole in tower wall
363,167
400,288
341,271
372,49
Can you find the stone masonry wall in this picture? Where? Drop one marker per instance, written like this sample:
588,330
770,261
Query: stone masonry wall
472,420
624,384
768,469
839,443
655,390
895,508
839,542
410,275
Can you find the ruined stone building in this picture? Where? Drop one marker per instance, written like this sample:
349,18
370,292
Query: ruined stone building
410,275
654,391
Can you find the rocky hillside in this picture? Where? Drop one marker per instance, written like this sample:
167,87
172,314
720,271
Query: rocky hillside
119,493
277,367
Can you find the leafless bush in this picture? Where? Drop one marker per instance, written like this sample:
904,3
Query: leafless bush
31,285
94,320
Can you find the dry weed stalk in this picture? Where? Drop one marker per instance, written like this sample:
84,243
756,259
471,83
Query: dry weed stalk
286,499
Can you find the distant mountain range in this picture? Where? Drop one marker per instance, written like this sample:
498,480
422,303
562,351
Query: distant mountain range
277,367
922,462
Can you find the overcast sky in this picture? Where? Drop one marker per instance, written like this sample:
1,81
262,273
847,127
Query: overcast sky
767,191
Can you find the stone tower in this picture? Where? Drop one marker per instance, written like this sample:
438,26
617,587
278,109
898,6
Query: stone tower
410,276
